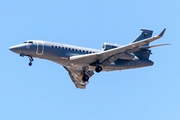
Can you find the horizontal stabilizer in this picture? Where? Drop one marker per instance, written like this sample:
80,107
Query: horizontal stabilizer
147,47
146,30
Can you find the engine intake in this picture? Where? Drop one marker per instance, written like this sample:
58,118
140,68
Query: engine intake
108,46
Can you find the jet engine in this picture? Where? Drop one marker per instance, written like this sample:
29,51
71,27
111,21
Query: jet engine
107,46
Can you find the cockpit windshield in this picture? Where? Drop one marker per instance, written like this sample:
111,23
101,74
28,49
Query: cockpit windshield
28,42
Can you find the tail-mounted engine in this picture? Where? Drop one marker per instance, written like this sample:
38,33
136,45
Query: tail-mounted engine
107,46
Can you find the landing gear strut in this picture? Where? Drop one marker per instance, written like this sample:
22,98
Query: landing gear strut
30,60
98,69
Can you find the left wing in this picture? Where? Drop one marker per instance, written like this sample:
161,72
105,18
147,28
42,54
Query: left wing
147,47
104,56
76,77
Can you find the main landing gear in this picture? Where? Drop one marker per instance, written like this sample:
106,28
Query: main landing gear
98,69
85,77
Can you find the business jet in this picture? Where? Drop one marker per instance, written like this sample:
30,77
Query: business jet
81,62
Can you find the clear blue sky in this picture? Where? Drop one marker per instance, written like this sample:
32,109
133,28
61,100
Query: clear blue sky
44,91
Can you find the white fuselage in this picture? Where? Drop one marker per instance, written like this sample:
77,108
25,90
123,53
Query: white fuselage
60,53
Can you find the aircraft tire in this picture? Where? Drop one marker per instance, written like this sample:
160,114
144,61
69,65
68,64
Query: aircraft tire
98,69
30,64
85,78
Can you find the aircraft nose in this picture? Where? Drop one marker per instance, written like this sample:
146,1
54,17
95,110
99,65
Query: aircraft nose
16,49
11,48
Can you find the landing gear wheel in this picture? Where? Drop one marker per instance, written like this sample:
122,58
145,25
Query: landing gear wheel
30,64
85,78
98,69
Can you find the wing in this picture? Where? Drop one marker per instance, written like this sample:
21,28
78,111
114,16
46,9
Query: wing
105,57
147,47
76,77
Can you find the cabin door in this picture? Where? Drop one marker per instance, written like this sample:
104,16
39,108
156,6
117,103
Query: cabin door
40,48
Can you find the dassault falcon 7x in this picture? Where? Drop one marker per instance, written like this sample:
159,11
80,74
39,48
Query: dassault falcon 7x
81,63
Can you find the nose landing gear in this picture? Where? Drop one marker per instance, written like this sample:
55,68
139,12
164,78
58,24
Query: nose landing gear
30,60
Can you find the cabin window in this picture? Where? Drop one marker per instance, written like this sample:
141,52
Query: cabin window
52,46
62,47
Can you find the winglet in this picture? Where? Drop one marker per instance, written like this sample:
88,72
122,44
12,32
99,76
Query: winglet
162,33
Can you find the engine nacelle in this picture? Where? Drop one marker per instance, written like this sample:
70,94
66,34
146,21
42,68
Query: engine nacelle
107,46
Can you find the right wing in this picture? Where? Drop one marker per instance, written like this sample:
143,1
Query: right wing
76,77
105,56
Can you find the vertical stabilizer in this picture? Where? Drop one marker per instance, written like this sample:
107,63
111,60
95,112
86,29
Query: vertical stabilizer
143,53
145,34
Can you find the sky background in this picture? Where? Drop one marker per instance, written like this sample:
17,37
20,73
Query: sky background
44,91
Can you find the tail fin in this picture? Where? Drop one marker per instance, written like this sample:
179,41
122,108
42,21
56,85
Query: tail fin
143,54
145,34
